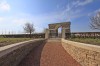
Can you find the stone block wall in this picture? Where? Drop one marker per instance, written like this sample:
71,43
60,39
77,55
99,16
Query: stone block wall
85,54
11,55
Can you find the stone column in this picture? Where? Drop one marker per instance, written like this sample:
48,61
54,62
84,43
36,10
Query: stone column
47,34
63,33
67,33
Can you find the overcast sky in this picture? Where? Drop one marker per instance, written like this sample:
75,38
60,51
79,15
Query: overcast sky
15,13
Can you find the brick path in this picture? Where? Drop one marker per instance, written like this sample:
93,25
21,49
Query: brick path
49,54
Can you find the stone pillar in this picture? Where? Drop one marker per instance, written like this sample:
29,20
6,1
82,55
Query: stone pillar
63,33
67,33
47,34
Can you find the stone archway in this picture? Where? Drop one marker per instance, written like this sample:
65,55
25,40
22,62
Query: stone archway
52,32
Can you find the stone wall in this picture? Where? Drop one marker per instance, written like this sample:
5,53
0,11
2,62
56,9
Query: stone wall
11,55
85,54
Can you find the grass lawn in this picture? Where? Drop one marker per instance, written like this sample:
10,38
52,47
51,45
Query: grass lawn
87,40
8,41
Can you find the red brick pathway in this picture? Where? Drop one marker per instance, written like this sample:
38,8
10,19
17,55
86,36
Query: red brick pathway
49,54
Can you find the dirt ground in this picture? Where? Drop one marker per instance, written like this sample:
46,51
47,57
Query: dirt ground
49,54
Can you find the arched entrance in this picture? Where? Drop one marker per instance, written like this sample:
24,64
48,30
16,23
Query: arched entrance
52,32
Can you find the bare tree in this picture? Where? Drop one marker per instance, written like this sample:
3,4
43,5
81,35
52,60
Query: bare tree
29,28
95,21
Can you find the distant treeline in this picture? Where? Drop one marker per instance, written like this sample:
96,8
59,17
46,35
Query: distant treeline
36,35
84,35
68,35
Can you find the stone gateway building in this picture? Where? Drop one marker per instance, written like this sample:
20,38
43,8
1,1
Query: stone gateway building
52,32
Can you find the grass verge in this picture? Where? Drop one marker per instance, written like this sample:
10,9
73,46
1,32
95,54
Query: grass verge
87,40
8,41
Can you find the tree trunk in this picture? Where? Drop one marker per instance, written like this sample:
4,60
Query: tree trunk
30,34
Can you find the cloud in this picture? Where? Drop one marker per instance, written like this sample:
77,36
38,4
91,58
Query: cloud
93,12
74,9
70,12
98,10
85,2
41,21
20,21
1,19
4,6
79,3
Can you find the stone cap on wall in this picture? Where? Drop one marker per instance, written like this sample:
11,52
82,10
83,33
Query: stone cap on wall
83,45
9,48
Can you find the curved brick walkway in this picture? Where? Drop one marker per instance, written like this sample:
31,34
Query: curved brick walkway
49,54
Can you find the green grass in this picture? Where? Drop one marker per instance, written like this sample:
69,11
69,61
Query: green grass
8,41
87,40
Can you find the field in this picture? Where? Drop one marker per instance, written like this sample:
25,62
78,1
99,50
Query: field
8,41
87,40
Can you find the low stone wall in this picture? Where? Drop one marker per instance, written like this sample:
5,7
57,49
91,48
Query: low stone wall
85,54
11,55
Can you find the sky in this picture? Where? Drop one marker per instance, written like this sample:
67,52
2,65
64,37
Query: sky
15,13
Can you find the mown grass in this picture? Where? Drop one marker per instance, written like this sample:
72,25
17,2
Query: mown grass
87,40
8,41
